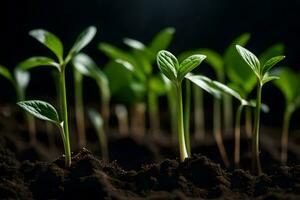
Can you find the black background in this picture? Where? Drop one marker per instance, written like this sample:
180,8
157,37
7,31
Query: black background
199,23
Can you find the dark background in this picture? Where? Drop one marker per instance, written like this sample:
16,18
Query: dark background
199,23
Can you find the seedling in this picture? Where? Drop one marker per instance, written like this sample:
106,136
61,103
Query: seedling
98,124
85,66
141,59
263,76
175,72
53,43
20,81
289,85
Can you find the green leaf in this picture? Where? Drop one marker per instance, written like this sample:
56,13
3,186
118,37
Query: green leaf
50,41
82,41
288,83
168,64
41,110
236,69
87,67
133,69
6,73
161,41
267,78
135,44
274,50
116,53
227,90
250,59
22,78
206,84
36,62
158,85
188,65
271,62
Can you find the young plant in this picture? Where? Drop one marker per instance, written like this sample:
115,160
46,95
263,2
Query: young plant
141,57
20,81
98,124
85,66
263,76
175,72
289,85
53,43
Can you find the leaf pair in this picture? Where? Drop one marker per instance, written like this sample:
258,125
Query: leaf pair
53,43
169,66
261,71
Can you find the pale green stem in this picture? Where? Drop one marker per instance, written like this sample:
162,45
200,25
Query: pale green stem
248,121
64,111
256,166
181,135
187,111
153,111
173,112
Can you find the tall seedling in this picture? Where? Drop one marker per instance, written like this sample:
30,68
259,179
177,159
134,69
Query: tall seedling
85,66
20,81
44,110
175,72
263,76
289,85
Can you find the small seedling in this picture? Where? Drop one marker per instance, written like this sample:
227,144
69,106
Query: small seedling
289,85
175,72
98,125
53,43
85,66
263,76
20,81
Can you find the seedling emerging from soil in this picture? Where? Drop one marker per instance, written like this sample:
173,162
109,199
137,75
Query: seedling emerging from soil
98,124
53,43
85,66
263,76
289,85
20,81
175,72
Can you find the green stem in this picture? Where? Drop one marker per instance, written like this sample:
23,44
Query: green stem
79,110
103,142
181,135
248,121
187,111
227,107
153,111
64,110
217,131
285,134
256,166
198,113
237,135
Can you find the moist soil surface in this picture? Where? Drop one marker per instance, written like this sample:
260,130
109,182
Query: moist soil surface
139,169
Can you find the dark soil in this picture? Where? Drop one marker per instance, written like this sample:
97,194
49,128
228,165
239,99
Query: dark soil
91,178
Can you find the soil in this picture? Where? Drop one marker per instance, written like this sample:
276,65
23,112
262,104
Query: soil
143,168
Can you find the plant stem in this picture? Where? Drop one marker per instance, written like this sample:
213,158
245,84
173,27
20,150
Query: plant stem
122,116
198,113
237,136
248,121
256,167
64,110
79,111
137,123
181,135
103,142
217,131
153,111
187,111
285,134
227,103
